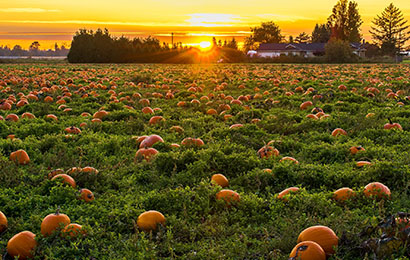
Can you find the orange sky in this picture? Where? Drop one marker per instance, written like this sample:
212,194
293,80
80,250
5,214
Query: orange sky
192,21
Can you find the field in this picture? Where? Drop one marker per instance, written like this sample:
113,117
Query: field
235,110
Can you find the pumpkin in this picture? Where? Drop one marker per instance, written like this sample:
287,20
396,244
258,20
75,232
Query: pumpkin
228,196
189,142
100,114
235,126
3,222
338,131
28,115
363,163
322,235
307,250
89,169
287,158
343,194
150,141
145,154
268,151
65,179
220,179
22,245
211,111
54,221
147,110
389,125
86,195
20,157
73,230
355,149
72,130
306,105
53,117
149,220
177,129
283,194
12,117
55,172
155,119
377,190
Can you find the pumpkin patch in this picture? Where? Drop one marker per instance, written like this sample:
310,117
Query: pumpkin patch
107,143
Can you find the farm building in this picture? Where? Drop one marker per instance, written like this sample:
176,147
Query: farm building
270,50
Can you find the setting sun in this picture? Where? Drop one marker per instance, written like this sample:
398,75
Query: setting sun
204,45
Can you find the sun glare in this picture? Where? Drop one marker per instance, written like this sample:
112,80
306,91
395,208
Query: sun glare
204,45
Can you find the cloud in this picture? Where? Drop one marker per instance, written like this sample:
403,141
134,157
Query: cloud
28,10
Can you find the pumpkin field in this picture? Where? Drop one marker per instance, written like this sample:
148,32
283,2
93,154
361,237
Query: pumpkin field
223,161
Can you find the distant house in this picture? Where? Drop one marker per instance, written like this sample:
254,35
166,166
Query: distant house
271,50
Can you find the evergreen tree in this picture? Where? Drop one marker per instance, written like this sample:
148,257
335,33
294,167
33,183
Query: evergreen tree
302,38
321,33
389,30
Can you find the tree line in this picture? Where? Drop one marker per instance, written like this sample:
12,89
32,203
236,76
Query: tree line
34,50
101,47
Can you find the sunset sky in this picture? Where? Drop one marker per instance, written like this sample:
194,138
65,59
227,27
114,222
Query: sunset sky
192,21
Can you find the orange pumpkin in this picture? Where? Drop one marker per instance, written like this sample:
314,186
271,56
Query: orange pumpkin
287,158
268,151
22,245
307,250
89,169
155,119
53,222
322,235
86,195
338,131
306,105
147,110
355,149
73,130
283,194
177,129
12,117
100,114
20,157
149,220
228,196
377,189
73,230
389,125
150,141
363,163
65,179
220,179
3,222
343,194
146,154
55,172
189,142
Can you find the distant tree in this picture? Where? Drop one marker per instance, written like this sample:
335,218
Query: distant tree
345,21
389,30
220,43
302,38
34,48
338,51
321,33
225,43
267,32
291,39
214,41
17,51
233,44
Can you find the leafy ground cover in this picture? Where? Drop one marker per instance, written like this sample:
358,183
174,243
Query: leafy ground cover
235,110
